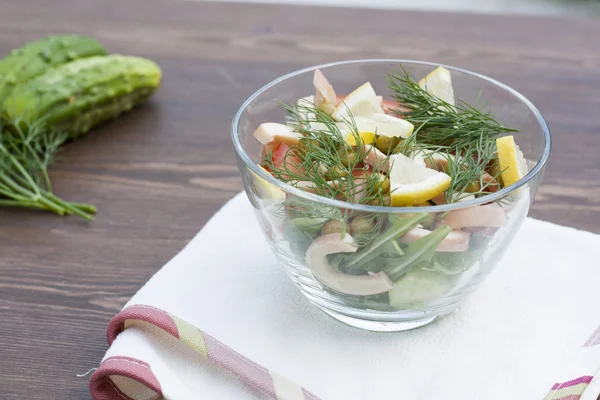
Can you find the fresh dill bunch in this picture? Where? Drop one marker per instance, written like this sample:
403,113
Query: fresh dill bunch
442,122
26,151
34,147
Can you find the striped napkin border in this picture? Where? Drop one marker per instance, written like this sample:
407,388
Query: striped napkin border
256,376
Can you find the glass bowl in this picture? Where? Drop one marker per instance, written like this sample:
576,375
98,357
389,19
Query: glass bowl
424,283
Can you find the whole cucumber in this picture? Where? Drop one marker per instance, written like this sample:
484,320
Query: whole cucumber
35,58
77,96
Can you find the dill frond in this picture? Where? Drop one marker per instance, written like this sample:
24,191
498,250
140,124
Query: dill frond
442,123
329,165
463,133
27,149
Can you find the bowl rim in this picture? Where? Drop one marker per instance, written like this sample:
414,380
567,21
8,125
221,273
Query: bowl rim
287,188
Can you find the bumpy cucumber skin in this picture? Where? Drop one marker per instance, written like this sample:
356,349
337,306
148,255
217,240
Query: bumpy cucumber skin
80,95
36,58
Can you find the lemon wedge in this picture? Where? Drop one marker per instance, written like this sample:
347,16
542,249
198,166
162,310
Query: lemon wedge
361,102
412,183
439,84
512,162
419,158
365,138
384,125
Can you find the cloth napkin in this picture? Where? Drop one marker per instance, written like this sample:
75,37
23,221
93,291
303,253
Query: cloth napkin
223,321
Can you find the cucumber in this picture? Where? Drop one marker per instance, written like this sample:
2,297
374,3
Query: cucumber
79,95
35,58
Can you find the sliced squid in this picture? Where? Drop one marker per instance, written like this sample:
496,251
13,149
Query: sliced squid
376,158
358,285
454,242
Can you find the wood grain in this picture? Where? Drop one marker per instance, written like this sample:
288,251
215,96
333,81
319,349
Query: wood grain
160,172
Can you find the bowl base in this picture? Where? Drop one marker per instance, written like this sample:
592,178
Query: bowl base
379,326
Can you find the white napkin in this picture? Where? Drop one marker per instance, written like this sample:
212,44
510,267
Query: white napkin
513,339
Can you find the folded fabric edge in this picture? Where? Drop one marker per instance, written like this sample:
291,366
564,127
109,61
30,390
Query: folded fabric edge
103,388
592,392
579,388
254,375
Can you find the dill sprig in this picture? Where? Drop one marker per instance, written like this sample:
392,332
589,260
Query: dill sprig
26,151
442,123
325,164
329,165
464,134
467,167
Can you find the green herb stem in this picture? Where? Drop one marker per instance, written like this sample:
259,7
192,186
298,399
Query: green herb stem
26,151
21,203
463,133
88,208
70,207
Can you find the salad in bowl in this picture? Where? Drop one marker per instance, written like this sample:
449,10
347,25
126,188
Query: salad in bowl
388,206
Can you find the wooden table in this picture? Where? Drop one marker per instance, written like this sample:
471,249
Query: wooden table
160,172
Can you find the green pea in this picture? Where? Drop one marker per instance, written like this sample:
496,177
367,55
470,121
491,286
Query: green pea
473,187
385,186
387,144
336,172
347,157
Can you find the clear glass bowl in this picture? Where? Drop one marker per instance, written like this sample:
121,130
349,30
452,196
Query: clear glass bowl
424,287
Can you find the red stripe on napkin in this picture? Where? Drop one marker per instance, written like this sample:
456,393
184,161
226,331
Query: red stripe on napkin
103,388
144,313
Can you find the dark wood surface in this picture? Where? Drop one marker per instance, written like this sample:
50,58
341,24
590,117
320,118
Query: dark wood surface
160,172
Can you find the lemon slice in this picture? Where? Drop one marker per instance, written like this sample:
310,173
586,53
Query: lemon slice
384,125
365,138
412,183
512,162
419,158
361,102
439,84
